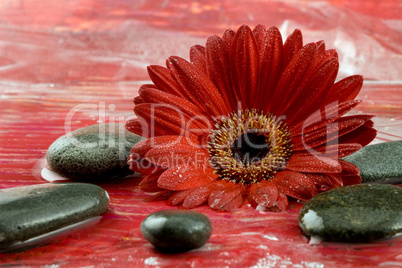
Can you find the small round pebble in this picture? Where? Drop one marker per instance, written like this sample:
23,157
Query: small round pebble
176,230
379,163
96,152
357,213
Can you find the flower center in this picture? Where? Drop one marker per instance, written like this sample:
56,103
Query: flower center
249,147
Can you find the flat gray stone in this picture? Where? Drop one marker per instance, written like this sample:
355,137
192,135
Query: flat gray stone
96,152
379,163
176,230
31,211
357,213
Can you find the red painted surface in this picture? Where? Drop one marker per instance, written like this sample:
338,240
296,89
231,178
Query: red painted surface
83,61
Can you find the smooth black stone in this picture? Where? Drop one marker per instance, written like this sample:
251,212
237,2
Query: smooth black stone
357,213
379,163
97,152
31,211
176,230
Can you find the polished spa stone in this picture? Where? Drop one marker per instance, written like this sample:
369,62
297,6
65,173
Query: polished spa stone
176,231
97,152
357,213
30,211
379,163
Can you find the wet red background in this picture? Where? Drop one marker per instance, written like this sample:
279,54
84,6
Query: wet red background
69,64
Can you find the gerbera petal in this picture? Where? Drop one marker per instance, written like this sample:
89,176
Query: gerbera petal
192,118
271,54
142,165
199,196
351,179
178,154
228,37
217,64
149,182
163,80
244,65
282,203
138,100
146,86
349,168
184,178
198,58
326,182
329,132
264,193
315,90
136,125
369,124
320,47
323,117
362,135
259,33
313,164
164,195
166,117
334,151
321,181
336,180
178,197
156,96
295,184
293,79
197,87
328,54
142,147
292,46
140,126
228,198
345,90
343,150
324,54
350,173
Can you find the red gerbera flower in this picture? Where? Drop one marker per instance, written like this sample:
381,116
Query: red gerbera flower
248,118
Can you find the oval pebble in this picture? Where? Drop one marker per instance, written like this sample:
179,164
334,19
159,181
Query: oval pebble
176,230
96,152
30,211
357,213
379,163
